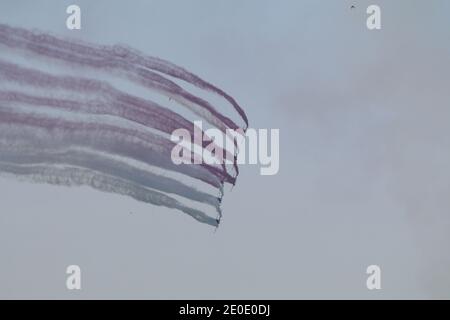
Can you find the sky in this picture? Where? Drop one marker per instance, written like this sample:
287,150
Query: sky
364,159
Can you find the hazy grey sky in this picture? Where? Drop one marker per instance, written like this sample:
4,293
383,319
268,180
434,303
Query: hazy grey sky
364,159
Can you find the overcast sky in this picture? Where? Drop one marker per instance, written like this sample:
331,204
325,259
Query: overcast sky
364,160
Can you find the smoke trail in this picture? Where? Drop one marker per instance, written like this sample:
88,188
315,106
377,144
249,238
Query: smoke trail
108,100
68,130
72,176
121,60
